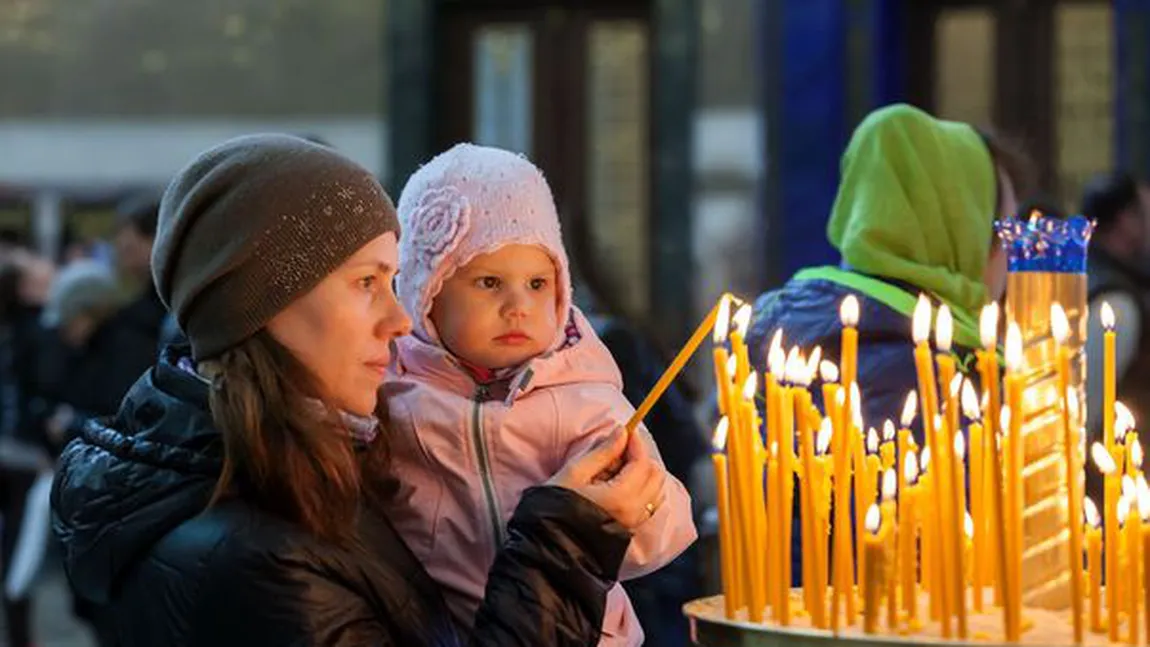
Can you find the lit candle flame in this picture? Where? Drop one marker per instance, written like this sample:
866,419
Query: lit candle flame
1136,453
909,409
1072,403
889,485
732,366
943,329
873,519
1013,347
751,385
968,526
960,446
1123,509
813,363
722,320
988,325
828,371
1123,421
1102,458
1004,419
796,366
910,467
956,385
1144,504
826,432
925,460
777,362
1090,511
849,311
742,319
920,328
872,441
970,402
856,406
887,431
1107,315
719,440
1059,325
1129,487
841,398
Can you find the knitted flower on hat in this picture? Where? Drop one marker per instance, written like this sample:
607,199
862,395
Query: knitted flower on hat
467,201
439,221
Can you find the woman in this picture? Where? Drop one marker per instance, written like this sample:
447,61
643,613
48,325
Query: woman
914,214
236,498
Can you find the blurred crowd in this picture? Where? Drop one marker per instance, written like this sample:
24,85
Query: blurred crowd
75,333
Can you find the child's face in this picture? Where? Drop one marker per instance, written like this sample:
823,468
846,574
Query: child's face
499,310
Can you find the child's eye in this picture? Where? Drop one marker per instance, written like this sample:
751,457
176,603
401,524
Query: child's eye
538,284
488,282
368,282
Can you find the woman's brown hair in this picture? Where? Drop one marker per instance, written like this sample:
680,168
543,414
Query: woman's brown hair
287,451
1009,155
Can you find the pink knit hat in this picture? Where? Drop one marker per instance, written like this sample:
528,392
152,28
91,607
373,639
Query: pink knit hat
467,201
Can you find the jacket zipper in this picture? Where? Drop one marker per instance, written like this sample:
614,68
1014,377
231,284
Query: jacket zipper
484,462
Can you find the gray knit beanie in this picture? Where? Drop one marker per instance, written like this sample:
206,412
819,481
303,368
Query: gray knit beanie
253,224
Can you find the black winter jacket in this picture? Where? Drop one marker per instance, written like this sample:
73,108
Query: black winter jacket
129,506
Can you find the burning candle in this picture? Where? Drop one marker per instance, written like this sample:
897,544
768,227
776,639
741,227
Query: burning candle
1133,560
1144,514
928,398
888,509
808,506
886,448
1109,469
977,504
723,502
907,522
849,316
1013,470
1109,391
958,497
872,571
1060,330
988,366
1011,612
1093,523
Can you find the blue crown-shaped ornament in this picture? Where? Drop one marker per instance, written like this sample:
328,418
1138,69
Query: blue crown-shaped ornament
1045,244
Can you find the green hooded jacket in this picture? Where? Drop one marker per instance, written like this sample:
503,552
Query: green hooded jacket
916,203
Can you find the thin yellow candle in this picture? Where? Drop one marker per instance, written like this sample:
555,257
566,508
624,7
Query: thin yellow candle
890,550
1133,564
907,523
720,355
872,571
887,448
1093,523
1011,613
930,552
1013,500
823,499
977,506
1060,330
943,334
1109,390
740,459
677,364
723,502
928,398
755,519
849,316
785,484
958,502
776,362
807,514
1109,469
1144,514
988,365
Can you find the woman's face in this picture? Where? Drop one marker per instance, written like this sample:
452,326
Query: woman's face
994,276
343,328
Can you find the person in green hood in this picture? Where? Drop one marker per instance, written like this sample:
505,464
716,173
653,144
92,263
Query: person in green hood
914,214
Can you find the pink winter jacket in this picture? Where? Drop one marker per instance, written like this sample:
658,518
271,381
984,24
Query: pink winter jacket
464,454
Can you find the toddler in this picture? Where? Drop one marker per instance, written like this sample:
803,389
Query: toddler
502,380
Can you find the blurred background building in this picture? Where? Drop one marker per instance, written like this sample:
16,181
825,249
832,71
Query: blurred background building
692,145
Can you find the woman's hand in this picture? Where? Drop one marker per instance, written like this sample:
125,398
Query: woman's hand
630,495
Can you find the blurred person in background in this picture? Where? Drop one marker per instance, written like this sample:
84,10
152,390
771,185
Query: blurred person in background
1120,206
24,282
144,315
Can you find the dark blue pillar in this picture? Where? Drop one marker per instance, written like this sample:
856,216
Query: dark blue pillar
1132,87
824,65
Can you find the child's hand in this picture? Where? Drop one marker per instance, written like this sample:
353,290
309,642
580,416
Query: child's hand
633,493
